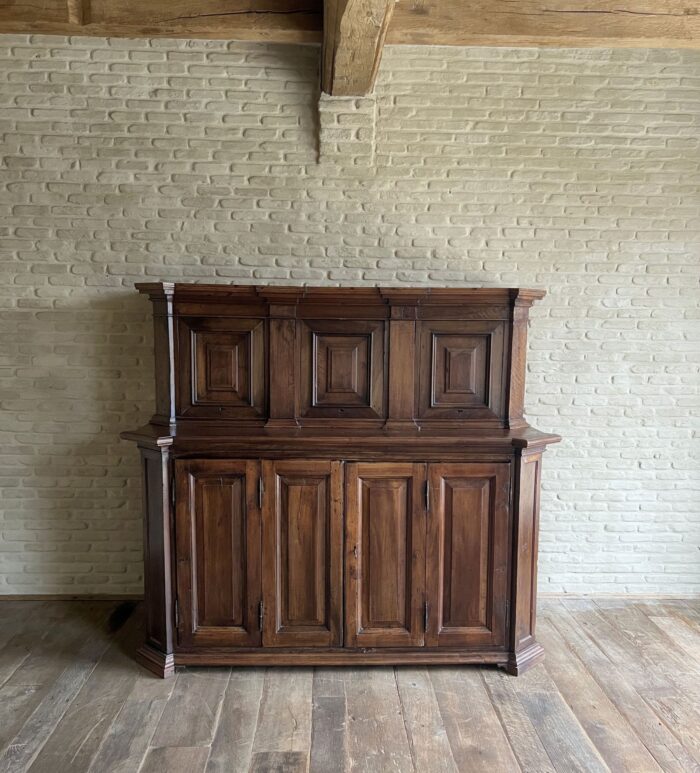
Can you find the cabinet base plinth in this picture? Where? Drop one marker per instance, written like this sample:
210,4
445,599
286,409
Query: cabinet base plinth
340,657
522,661
156,662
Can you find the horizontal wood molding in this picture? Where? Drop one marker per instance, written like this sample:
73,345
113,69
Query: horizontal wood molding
595,23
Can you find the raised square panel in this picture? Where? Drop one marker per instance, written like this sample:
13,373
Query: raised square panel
226,369
342,366
342,369
461,370
222,368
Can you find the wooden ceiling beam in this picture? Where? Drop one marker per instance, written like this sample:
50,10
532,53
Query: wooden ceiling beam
353,38
558,23
77,11
279,21
578,23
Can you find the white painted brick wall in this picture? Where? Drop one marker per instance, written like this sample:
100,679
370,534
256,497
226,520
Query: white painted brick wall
575,171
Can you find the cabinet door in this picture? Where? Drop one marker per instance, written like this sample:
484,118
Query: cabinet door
302,552
461,370
467,562
218,553
221,367
342,369
385,555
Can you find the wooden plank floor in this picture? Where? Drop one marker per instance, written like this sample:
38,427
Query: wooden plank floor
619,691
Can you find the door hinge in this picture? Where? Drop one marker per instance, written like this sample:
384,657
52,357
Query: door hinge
172,492
261,613
426,613
177,615
427,495
507,611
261,492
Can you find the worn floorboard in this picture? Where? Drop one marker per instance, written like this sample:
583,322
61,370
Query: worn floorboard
619,691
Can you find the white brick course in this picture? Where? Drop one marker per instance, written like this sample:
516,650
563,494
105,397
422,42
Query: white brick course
577,171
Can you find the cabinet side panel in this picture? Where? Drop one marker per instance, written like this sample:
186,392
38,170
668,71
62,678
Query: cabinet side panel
525,554
164,356
157,547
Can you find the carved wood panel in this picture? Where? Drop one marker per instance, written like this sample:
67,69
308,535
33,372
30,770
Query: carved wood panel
385,554
467,557
342,369
302,553
461,370
222,368
218,552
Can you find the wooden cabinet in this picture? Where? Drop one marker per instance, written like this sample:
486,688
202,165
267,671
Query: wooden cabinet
340,476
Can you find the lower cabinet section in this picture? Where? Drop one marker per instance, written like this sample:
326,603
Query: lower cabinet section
308,554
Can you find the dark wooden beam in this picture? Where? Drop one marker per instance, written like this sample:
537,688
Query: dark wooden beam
559,23
353,37
280,21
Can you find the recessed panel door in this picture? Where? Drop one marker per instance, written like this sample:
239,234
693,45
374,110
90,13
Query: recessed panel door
302,555
218,553
385,555
467,562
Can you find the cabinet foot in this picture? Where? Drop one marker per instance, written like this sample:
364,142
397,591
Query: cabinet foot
520,662
156,662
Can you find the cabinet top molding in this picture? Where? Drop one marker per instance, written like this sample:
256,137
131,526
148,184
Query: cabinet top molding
360,296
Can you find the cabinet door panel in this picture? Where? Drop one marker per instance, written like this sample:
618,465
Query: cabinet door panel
221,368
303,537
342,369
461,370
385,555
218,553
467,554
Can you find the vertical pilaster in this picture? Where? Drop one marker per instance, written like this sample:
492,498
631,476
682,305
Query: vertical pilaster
402,363
283,367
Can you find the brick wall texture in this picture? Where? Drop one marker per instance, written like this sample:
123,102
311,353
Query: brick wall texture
577,171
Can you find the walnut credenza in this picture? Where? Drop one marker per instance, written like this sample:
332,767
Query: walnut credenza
338,476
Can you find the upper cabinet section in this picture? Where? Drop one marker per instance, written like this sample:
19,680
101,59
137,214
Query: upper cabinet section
380,358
